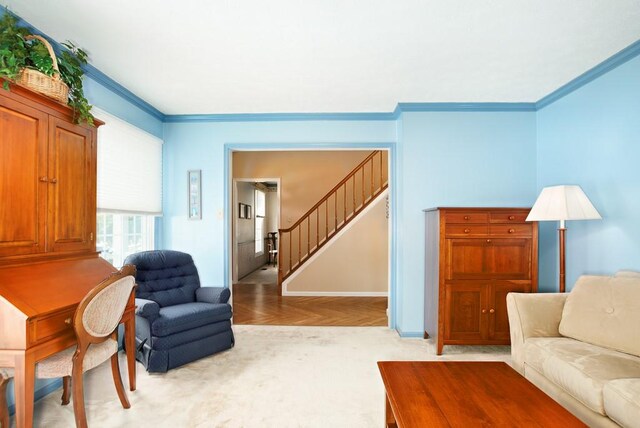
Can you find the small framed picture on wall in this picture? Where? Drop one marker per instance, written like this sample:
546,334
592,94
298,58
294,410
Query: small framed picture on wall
247,211
195,194
241,210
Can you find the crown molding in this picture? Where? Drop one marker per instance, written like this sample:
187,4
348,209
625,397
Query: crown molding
274,117
616,60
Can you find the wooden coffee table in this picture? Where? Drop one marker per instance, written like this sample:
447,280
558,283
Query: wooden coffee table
466,394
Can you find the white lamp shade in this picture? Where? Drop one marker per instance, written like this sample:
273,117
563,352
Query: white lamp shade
563,203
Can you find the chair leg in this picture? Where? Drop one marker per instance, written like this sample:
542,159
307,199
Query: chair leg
4,409
117,380
77,385
66,390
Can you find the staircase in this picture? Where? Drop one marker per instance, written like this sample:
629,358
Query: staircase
331,214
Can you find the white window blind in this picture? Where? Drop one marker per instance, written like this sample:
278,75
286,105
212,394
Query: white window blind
129,168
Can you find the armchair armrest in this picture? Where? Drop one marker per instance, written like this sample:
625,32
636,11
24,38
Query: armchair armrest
532,315
213,294
147,309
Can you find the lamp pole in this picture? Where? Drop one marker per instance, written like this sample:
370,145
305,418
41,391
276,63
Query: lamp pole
561,234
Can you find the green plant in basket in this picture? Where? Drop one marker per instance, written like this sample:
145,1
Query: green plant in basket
18,52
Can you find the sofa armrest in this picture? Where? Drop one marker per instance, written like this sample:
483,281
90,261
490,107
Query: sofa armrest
213,294
147,309
532,315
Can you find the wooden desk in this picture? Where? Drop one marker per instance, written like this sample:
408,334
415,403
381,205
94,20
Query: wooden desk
37,303
466,394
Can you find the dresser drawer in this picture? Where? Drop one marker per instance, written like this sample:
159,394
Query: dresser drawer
511,229
466,230
508,217
467,217
51,325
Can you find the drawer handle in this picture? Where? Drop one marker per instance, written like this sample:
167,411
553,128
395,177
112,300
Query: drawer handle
491,310
466,217
512,217
511,230
68,321
467,231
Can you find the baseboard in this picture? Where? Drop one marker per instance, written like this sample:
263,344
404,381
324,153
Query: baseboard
410,334
335,293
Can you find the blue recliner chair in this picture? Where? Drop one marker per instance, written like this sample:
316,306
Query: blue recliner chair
177,321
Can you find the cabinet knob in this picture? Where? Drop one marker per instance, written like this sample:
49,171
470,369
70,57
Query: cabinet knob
512,217
44,179
511,230
491,310
484,311
488,240
466,217
467,231
68,321
54,180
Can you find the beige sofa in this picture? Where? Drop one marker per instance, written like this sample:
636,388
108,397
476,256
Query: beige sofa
583,348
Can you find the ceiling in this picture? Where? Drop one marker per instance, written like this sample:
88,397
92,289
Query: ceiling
290,56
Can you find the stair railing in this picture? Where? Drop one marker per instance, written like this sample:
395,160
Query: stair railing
331,213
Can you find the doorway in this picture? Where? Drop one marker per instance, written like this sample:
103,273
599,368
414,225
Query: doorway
255,295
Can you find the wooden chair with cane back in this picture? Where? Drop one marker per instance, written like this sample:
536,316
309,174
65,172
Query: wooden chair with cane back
95,323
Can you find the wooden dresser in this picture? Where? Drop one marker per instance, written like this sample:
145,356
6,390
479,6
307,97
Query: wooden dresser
474,257
48,258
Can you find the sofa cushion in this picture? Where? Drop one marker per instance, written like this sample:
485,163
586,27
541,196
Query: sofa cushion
622,401
627,274
579,368
177,318
164,276
603,310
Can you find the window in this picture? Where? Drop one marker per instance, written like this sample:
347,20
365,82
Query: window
129,188
259,220
120,235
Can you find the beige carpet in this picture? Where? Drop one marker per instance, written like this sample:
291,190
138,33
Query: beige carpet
274,377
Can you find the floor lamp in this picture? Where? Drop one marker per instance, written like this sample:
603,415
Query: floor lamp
561,203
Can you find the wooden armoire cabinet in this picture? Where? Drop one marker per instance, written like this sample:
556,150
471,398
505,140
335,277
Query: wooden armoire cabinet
47,180
48,258
474,257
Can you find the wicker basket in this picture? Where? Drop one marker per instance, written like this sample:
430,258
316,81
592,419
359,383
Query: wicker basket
51,86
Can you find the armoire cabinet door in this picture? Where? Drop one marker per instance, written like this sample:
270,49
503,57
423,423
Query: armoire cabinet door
23,170
498,319
71,187
466,259
509,258
464,319
491,258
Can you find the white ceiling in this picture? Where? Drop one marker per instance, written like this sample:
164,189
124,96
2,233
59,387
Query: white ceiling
257,56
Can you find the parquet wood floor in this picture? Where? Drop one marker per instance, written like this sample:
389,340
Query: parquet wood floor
259,304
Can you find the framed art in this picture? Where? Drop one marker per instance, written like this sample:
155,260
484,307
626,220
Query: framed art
194,178
247,211
241,210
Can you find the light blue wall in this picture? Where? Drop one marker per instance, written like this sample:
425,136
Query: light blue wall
591,137
456,159
202,146
471,158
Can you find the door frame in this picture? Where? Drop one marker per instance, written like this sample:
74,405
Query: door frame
229,148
